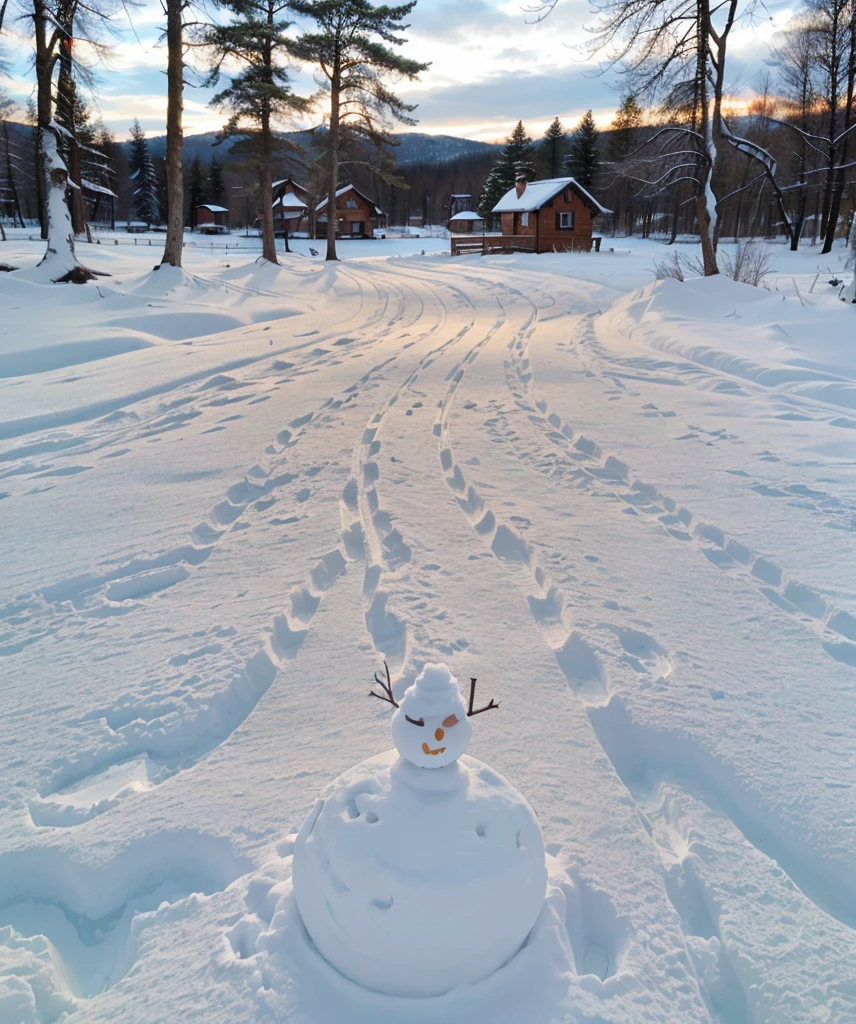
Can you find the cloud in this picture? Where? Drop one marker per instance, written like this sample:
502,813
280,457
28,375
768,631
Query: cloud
490,66
498,101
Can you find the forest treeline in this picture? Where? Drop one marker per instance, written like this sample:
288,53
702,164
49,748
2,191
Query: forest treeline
680,157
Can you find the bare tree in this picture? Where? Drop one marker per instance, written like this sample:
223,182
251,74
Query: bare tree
676,48
795,59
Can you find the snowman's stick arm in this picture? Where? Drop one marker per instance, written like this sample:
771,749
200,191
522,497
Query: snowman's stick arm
386,687
488,707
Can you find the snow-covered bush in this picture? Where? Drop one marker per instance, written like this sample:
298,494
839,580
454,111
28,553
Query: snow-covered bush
750,263
679,265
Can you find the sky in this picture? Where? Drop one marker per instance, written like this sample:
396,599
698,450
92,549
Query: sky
492,63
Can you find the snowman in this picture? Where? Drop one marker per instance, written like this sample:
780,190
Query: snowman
421,869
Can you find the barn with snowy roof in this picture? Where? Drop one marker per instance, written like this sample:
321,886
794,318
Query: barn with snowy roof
553,215
212,219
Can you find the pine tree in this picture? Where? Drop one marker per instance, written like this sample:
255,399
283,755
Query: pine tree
516,150
260,96
216,187
627,119
143,177
553,149
518,147
196,186
352,46
495,187
584,158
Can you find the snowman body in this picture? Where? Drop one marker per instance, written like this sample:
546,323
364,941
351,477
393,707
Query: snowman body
417,873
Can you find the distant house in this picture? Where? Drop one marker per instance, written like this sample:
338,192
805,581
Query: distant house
292,205
465,223
357,216
212,220
557,214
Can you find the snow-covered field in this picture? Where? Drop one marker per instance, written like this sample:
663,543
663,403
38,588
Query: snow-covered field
628,508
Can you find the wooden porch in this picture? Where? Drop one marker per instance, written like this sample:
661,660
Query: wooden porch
484,244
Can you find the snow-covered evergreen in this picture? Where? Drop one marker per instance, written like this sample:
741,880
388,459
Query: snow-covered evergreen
583,162
144,178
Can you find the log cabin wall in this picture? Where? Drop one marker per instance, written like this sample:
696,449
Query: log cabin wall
552,236
355,218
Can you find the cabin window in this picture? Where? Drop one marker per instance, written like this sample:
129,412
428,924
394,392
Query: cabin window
351,204
524,220
565,220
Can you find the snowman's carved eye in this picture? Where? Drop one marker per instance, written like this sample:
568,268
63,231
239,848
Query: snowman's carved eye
415,721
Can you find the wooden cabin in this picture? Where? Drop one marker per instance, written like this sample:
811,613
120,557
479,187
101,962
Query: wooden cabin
357,216
554,215
292,206
212,220
465,223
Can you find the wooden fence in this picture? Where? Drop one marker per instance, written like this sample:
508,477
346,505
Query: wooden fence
484,244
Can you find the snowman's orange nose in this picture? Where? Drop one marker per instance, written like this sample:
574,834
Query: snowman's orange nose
438,734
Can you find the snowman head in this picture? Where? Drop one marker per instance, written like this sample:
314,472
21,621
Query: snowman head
431,728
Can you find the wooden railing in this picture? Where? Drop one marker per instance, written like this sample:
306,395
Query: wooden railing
484,244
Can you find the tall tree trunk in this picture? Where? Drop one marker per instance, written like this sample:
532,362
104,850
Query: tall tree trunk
841,174
172,251
66,102
335,88
796,234
705,199
59,255
266,190
44,105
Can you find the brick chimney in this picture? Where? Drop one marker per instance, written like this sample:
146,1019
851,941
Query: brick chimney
523,174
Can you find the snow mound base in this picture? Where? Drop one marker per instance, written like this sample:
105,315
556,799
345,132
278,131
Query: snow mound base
412,882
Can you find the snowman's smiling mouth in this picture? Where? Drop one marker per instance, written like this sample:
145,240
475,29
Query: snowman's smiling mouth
427,750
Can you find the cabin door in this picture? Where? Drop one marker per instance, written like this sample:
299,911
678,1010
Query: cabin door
358,227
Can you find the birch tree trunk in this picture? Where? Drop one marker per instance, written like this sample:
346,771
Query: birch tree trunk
59,258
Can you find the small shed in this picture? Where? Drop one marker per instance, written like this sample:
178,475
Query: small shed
291,207
466,222
556,214
212,220
459,202
357,216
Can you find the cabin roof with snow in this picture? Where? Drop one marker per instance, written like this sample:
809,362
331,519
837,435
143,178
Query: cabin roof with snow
91,186
537,193
467,215
289,185
352,188
212,208
291,201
